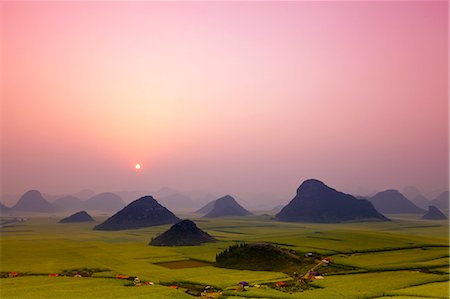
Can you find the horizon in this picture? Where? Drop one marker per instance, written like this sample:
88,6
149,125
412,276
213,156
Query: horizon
240,98
199,198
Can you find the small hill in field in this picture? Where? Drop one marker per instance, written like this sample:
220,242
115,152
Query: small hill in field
316,202
183,233
225,207
442,201
143,212
82,216
434,214
33,201
393,202
104,202
259,257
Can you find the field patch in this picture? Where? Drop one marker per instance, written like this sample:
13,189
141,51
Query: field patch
183,264
397,259
435,289
39,247
36,287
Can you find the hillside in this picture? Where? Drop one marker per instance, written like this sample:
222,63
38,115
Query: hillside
393,202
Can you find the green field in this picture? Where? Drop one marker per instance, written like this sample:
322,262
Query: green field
405,258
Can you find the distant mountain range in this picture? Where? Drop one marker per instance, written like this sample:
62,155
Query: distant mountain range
316,202
393,202
34,202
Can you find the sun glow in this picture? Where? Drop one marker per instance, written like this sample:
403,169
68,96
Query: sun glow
137,166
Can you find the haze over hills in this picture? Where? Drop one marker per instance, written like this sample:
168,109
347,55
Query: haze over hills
415,196
442,201
143,212
177,202
393,202
316,202
70,203
183,233
225,207
84,194
34,202
104,202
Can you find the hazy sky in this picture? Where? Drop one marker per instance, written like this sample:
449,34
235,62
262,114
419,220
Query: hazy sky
230,97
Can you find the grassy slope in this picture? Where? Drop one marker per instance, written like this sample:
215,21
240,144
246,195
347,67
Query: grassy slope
43,246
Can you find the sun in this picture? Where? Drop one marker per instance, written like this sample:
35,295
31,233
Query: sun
137,166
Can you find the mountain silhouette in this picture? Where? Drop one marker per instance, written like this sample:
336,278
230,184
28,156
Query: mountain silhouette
104,202
82,216
434,214
33,201
441,201
227,206
316,202
143,212
393,202
70,203
183,233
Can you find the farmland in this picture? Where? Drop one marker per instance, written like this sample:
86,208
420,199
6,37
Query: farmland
399,259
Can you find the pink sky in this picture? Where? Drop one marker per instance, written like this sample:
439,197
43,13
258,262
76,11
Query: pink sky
230,97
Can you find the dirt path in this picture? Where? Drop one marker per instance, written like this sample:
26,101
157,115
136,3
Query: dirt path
306,276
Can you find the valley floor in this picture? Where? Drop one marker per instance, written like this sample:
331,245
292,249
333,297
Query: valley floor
405,258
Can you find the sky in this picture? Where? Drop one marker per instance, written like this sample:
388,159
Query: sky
230,97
